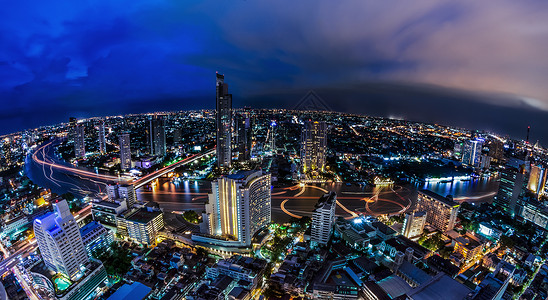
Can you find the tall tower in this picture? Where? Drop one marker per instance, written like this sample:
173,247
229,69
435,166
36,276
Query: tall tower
239,205
511,185
313,146
243,129
60,242
101,135
472,153
157,136
323,219
125,151
79,142
223,123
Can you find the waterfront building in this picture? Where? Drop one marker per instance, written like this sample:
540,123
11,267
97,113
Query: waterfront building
223,119
239,206
323,219
472,153
125,151
60,242
313,146
537,180
441,212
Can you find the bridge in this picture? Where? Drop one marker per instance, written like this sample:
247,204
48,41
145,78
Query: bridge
159,173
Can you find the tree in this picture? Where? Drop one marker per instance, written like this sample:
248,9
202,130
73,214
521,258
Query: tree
506,242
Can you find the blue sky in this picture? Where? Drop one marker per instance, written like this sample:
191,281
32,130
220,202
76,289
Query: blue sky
93,58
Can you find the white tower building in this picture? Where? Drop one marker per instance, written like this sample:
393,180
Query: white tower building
323,219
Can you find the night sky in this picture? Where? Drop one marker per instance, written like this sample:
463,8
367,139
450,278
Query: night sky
475,64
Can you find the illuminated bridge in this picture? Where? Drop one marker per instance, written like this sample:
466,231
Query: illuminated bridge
159,173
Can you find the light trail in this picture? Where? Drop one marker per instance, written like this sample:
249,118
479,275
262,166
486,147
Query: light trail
282,206
71,169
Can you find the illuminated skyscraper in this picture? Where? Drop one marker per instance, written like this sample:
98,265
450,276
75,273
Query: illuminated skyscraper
472,153
537,180
157,136
58,237
125,151
313,146
239,205
223,123
79,141
510,188
323,219
441,212
101,135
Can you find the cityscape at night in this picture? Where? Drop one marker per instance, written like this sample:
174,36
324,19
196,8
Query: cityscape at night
358,150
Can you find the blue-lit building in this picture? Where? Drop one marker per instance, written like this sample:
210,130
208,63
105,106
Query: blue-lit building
96,237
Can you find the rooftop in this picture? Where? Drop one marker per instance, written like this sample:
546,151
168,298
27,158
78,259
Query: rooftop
445,200
143,216
134,291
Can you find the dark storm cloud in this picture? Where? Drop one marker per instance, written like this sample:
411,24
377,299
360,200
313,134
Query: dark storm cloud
87,58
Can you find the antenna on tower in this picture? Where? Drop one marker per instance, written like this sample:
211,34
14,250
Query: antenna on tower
528,129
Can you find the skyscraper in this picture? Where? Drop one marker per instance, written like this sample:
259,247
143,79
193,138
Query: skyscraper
101,135
243,129
537,180
157,136
79,141
239,206
510,188
60,242
472,153
441,212
313,146
223,123
323,219
125,151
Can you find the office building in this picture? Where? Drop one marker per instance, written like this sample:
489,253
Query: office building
239,206
457,149
313,146
537,180
510,188
496,150
140,225
79,141
157,136
323,219
125,151
223,119
413,224
59,240
105,212
472,153
96,238
441,212
243,130
101,137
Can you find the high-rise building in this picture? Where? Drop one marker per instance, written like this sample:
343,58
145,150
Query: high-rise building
243,129
413,224
239,206
60,242
472,153
140,225
537,180
510,188
125,151
122,191
313,146
323,219
223,123
101,135
441,212
72,129
79,141
496,150
96,238
157,136
457,149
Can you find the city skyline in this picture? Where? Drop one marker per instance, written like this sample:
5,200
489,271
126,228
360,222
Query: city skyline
438,55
